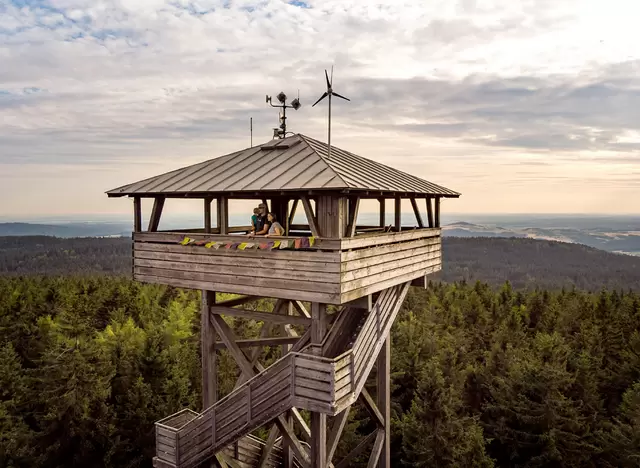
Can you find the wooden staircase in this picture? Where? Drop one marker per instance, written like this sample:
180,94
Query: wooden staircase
314,378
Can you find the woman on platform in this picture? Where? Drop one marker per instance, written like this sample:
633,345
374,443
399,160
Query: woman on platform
276,228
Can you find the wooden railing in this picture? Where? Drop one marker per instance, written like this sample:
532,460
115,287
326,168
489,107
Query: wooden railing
297,380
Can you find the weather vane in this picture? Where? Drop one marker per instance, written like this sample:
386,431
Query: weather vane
281,131
329,92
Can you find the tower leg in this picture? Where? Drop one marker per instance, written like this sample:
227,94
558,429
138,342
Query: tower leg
207,340
384,401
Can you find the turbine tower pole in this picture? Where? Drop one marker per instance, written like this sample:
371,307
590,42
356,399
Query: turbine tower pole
329,93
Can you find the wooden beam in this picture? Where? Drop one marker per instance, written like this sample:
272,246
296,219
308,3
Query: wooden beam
302,310
267,449
156,212
207,214
416,211
249,343
354,206
207,337
238,301
223,215
371,407
137,214
430,211
311,217
383,219
437,213
336,431
376,450
260,316
397,213
318,322
384,402
318,440
227,336
346,461
291,215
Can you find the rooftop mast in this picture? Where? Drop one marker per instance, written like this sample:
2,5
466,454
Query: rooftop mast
329,92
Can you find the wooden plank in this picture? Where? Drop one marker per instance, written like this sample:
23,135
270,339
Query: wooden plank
375,287
273,341
372,408
336,430
314,394
402,268
388,238
430,211
311,218
416,212
238,301
318,322
400,251
230,260
266,451
384,402
313,384
137,214
261,316
145,241
437,213
238,281
239,289
382,219
422,257
252,271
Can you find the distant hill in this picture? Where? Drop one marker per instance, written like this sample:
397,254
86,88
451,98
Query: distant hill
524,262
65,229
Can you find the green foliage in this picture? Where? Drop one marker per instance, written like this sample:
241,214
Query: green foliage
480,376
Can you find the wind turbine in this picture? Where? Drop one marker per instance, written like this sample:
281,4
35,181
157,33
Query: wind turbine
329,92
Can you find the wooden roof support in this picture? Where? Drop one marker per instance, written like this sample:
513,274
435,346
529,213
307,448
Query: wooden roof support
156,212
437,213
398,213
416,211
429,211
137,214
222,217
354,206
207,214
383,220
260,316
311,217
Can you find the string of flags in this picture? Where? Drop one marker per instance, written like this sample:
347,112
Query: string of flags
299,243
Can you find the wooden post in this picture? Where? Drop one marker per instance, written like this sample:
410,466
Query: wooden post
291,215
156,212
137,214
437,217
354,206
207,214
398,213
223,215
318,420
384,401
207,340
416,211
430,211
383,219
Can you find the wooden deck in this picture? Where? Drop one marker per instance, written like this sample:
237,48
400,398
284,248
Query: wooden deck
298,380
332,271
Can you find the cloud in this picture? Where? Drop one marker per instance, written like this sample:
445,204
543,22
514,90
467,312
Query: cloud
120,83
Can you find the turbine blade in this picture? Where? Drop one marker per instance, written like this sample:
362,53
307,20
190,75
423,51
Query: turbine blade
332,74
328,82
338,95
321,98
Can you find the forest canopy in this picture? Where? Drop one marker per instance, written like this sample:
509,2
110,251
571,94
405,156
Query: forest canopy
481,376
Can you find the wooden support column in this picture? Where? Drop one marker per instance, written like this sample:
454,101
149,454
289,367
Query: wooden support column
207,339
384,401
223,215
311,217
137,214
156,212
437,213
430,211
417,213
398,213
354,206
383,220
291,215
318,420
207,214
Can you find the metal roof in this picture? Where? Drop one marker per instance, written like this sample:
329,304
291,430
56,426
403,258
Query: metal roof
296,163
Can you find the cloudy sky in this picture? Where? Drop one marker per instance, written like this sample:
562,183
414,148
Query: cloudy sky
521,105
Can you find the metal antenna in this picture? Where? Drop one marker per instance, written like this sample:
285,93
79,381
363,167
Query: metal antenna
329,92
251,130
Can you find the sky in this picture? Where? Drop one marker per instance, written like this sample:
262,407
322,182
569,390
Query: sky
528,106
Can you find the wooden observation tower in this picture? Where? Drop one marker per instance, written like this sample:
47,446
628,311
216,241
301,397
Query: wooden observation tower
337,287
